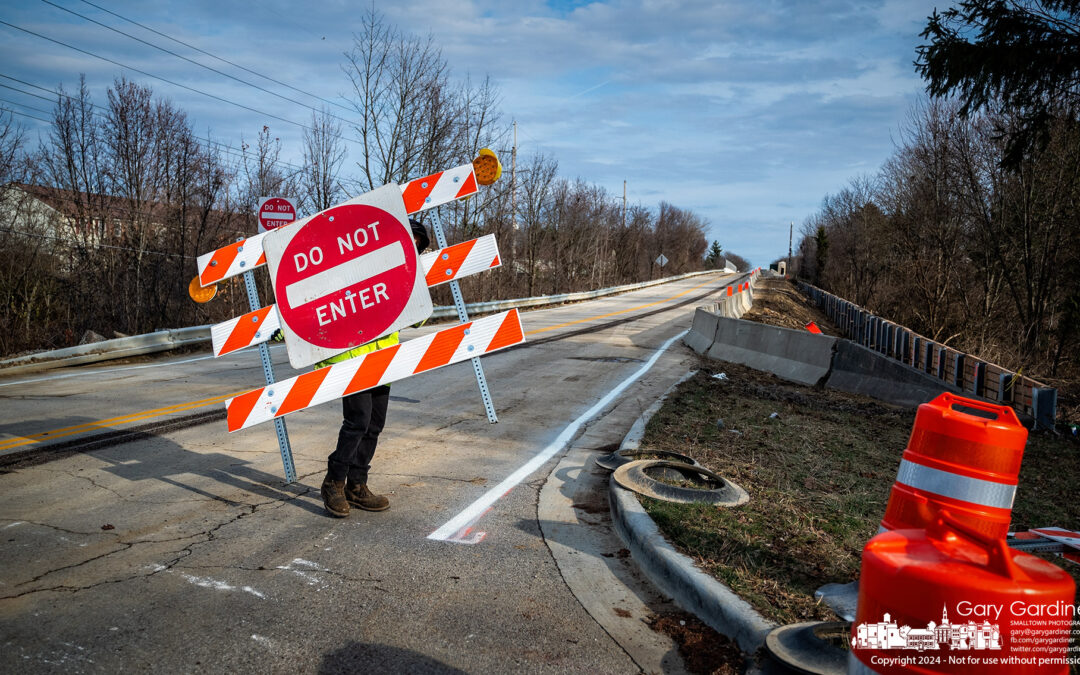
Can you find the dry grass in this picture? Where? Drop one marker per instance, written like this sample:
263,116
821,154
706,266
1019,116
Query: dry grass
818,476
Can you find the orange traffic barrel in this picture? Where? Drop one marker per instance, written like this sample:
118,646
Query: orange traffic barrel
948,599
813,327
963,455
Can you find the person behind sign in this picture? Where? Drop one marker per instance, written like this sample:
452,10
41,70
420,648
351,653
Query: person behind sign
364,416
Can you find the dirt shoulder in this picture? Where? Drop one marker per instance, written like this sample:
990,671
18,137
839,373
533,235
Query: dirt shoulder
818,473
778,302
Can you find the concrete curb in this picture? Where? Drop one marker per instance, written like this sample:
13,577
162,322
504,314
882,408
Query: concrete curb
674,573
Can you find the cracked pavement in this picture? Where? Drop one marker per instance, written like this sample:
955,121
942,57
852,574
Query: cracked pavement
184,550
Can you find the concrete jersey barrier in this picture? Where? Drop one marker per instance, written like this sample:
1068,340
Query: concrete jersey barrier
810,359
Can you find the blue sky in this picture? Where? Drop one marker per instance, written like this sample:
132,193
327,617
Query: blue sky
747,112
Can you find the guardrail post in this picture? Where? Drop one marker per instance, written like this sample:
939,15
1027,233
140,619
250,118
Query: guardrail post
905,340
916,342
1005,387
941,363
980,377
928,361
1044,407
958,376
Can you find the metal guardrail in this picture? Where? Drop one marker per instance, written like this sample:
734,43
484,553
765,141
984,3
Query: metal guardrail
118,348
966,371
541,300
164,340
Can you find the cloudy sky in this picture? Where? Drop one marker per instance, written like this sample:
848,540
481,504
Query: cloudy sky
747,112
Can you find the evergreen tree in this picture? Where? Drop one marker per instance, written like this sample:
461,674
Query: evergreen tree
1017,57
715,255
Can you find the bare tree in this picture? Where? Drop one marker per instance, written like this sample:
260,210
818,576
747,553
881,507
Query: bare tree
919,194
402,101
71,160
535,205
262,172
324,152
29,273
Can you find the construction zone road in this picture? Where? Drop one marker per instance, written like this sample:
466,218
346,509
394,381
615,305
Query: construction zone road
138,535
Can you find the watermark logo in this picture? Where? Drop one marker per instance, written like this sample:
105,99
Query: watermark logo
886,634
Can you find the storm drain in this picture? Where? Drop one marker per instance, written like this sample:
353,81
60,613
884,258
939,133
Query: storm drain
616,459
678,482
811,647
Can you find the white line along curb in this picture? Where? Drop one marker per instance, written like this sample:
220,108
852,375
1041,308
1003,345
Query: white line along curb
456,529
674,573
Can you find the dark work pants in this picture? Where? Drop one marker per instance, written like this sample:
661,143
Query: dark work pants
364,416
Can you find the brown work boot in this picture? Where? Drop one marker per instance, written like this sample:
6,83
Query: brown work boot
333,497
361,497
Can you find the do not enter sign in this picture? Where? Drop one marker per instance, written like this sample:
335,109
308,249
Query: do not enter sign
275,212
347,276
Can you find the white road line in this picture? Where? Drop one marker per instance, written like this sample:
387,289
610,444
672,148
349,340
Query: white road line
474,511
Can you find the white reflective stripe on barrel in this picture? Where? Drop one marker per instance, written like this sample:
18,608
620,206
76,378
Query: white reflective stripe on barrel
955,486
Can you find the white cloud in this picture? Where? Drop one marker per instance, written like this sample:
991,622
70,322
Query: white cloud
747,110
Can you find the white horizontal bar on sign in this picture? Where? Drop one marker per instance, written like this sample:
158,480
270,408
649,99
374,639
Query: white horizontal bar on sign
356,270
271,215
464,259
383,366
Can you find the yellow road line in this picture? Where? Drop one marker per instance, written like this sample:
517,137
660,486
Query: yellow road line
621,311
111,422
179,407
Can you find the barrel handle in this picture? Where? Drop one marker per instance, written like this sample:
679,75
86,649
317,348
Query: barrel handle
999,556
1001,413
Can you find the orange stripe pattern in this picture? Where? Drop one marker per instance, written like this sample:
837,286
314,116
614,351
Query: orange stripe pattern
451,345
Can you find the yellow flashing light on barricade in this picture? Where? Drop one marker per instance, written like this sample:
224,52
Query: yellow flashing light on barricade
487,166
199,293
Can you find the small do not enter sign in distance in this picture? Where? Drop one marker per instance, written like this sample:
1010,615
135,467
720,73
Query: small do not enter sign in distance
275,212
347,276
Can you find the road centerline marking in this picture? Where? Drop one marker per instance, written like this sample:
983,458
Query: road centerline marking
621,311
19,441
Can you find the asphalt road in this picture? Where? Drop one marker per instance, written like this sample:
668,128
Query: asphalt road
138,535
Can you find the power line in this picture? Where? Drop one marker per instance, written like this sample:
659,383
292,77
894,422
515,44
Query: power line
192,61
28,107
227,149
221,147
26,93
156,77
214,56
16,112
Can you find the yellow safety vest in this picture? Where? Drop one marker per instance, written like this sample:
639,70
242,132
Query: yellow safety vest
380,343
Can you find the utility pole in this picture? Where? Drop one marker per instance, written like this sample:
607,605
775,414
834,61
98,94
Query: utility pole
790,233
624,204
513,179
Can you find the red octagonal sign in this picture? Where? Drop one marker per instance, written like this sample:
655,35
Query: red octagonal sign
345,277
275,212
